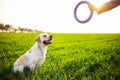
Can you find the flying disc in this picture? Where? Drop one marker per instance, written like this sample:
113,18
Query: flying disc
75,12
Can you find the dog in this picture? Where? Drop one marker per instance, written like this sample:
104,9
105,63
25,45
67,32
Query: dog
35,56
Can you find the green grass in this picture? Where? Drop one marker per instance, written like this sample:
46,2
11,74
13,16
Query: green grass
70,57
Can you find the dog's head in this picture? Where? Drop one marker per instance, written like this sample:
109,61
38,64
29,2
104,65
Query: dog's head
44,39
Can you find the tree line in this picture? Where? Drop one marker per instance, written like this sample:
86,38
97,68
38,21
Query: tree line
10,28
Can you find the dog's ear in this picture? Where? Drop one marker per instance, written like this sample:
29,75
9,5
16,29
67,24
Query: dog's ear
38,39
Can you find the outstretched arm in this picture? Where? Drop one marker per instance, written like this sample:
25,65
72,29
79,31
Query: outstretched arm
105,7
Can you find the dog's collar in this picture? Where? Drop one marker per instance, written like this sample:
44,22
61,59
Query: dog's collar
40,48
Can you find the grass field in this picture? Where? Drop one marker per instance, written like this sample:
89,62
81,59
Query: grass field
70,57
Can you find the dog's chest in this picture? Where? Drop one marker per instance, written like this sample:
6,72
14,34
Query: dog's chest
36,54
34,57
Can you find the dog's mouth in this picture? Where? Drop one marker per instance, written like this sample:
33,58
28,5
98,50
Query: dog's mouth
48,41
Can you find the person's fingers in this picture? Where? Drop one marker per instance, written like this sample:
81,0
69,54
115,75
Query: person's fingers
91,7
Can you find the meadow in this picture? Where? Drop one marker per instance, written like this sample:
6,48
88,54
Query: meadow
70,57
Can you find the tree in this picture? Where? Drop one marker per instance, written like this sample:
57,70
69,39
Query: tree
14,29
29,30
2,27
7,27
21,29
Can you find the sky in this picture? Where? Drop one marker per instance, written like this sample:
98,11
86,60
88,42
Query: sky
58,16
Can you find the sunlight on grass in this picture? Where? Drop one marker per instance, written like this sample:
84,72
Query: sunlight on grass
70,57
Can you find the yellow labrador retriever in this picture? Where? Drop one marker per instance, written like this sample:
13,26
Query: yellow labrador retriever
35,56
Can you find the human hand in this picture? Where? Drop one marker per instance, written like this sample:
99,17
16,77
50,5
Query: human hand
91,7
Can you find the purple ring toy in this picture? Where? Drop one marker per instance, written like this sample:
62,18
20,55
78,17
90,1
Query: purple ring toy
75,12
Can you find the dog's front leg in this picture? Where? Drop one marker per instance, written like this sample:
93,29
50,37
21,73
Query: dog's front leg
18,68
40,62
32,67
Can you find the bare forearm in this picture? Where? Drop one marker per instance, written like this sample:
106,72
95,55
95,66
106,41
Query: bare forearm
108,6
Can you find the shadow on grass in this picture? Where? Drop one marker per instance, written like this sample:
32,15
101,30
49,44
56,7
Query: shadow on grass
8,74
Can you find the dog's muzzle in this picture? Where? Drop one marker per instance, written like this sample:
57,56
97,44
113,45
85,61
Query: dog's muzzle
48,41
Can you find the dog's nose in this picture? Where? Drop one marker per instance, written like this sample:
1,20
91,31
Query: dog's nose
50,36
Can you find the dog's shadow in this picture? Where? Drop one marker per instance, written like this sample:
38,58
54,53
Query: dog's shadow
26,74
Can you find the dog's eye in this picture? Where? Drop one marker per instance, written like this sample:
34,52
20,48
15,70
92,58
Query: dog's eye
44,35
